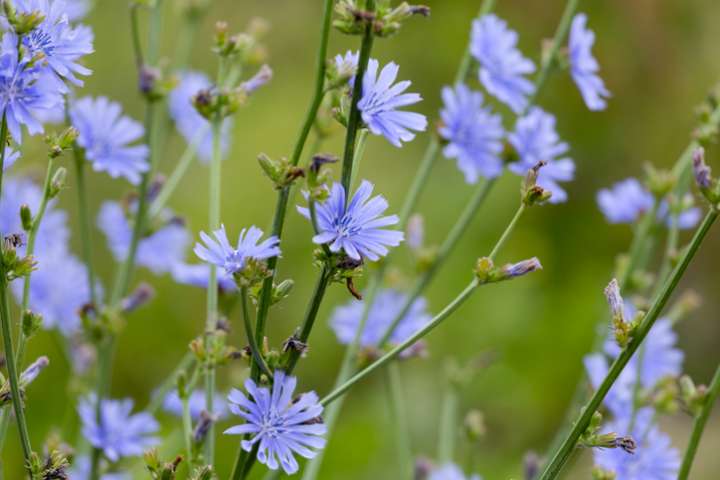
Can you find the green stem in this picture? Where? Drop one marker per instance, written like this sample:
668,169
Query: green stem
173,181
397,350
699,426
563,453
508,231
310,315
84,213
448,245
187,362
354,118
359,152
635,255
400,422
448,425
284,194
187,418
32,236
256,354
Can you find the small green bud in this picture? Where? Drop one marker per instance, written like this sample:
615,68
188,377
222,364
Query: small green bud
659,182
26,217
22,23
31,323
474,425
282,291
484,268
58,182
531,193
599,473
59,142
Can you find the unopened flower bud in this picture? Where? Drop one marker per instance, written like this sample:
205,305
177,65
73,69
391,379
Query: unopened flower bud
59,142
483,269
262,77
281,291
202,428
142,295
58,182
26,217
474,424
415,232
32,372
519,269
703,176
531,466
617,305
31,323
532,193
599,473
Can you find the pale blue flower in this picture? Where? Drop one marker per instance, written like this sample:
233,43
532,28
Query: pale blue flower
219,252
77,9
625,201
535,139
346,65
119,433
159,251
192,126
11,156
380,102
81,467
198,275
686,219
474,134
388,303
196,403
450,471
502,66
358,229
654,458
60,44
109,138
279,424
26,92
583,66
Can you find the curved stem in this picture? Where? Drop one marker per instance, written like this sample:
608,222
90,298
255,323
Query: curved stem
699,426
284,194
560,457
399,419
354,118
508,231
256,354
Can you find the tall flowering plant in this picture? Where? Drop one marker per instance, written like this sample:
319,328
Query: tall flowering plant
490,122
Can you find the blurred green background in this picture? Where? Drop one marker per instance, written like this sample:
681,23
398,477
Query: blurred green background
658,58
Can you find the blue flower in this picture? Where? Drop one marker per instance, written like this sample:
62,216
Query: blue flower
219,252
55,40
119,434
58,290
686,219
196,402
625,201
346,65
473,133
11,156
199,276
159,251
346,319
358,228
107,138
81,467
192,126
380,102
77,9
26,92
535,140
449,471
502,66
280,425
654,458
583,65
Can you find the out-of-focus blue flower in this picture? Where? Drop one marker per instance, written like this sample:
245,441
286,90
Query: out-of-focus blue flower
535,139
346,65
160,251
108,137
53,234
25,91
198,275
77,9
11,156
192,126
502,66
654,458
119,433
358,229
625,201
81,467
450,471
55,40
346,319
686,219
280,425
583,66
218,251
380,102
58,290
196,402
473,133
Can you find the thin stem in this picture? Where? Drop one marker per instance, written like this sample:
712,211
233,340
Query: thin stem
448,425
135,33
380,362
256,354
284,194
84,213
508,231
400,422
354,118
310,315
560,457
359,152
32,236
187,362
187,418
644,229
173,181
699,426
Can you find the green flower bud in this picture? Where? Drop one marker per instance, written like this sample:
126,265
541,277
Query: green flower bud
58,182
31,323
26,217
